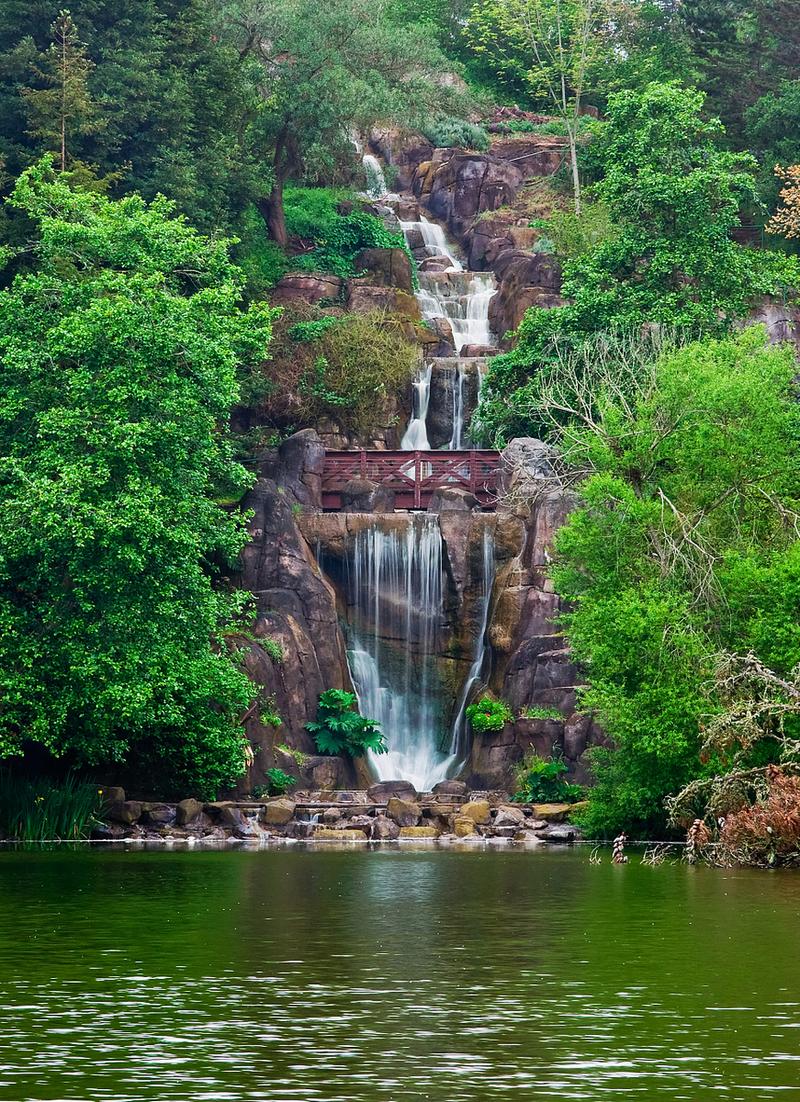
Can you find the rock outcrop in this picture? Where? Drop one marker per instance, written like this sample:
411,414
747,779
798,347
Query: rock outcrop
295,612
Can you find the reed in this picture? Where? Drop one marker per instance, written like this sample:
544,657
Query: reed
42,810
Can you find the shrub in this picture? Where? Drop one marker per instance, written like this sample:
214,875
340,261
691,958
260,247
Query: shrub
317,215
341,729
448,131
273,649
268,711
542,781
767,832
44,810
342,367
278,782
573,234
489,715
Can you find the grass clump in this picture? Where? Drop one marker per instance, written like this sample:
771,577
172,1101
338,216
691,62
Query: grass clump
43,810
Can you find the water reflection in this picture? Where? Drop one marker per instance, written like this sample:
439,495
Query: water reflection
381,976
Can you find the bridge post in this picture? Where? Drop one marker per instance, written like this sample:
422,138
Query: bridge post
363,459
473,474
417,477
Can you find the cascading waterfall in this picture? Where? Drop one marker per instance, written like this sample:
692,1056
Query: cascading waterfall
376,180
415,437
480,652
396,593
434,241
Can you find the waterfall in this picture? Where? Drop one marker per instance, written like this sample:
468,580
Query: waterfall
462,298
397,609
415,437
456,440
480,652
434,240
376,181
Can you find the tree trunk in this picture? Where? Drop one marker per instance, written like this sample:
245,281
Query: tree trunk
576,178
271,210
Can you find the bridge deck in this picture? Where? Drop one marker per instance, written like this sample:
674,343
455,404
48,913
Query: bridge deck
413,476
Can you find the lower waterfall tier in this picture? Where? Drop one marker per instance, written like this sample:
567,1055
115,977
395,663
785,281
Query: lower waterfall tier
411,663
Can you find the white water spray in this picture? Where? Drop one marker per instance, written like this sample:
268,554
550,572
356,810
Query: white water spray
395,625
415,437
480,653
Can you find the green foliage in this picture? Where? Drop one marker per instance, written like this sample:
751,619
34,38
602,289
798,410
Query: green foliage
536,712
273,649
118,363
683,545
772,127
742,50
316,215
540,780
43,810
674,198
574,235
487,714
278,782
312,330
447,132
152,94
341,729
344,367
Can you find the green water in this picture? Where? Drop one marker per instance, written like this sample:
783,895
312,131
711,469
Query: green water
297,976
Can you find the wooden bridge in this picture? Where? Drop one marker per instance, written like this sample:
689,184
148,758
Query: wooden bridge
413,476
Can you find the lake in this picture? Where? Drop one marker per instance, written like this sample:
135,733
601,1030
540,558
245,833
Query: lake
297,975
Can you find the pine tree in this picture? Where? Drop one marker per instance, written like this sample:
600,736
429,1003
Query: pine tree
64,105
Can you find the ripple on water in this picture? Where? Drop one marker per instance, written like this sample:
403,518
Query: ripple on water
348,977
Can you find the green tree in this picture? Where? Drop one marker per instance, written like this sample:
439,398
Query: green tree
325,71
555,46
772,131
63,106
118,358
743,49
674,197
170,105
684,544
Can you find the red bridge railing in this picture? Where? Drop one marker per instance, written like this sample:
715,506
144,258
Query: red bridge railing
413,476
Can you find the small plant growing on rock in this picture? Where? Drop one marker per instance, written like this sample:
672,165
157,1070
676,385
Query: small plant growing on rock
273,649
535,712
277,784
268,712
341,729
300,759
542,781
489,715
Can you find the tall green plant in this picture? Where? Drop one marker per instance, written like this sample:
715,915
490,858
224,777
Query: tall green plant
44,811
118,360
341,729
683,544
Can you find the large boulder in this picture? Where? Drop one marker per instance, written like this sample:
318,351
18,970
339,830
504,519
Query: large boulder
296,468
467,184
299,287
404,812
278,812
381,792
386,268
